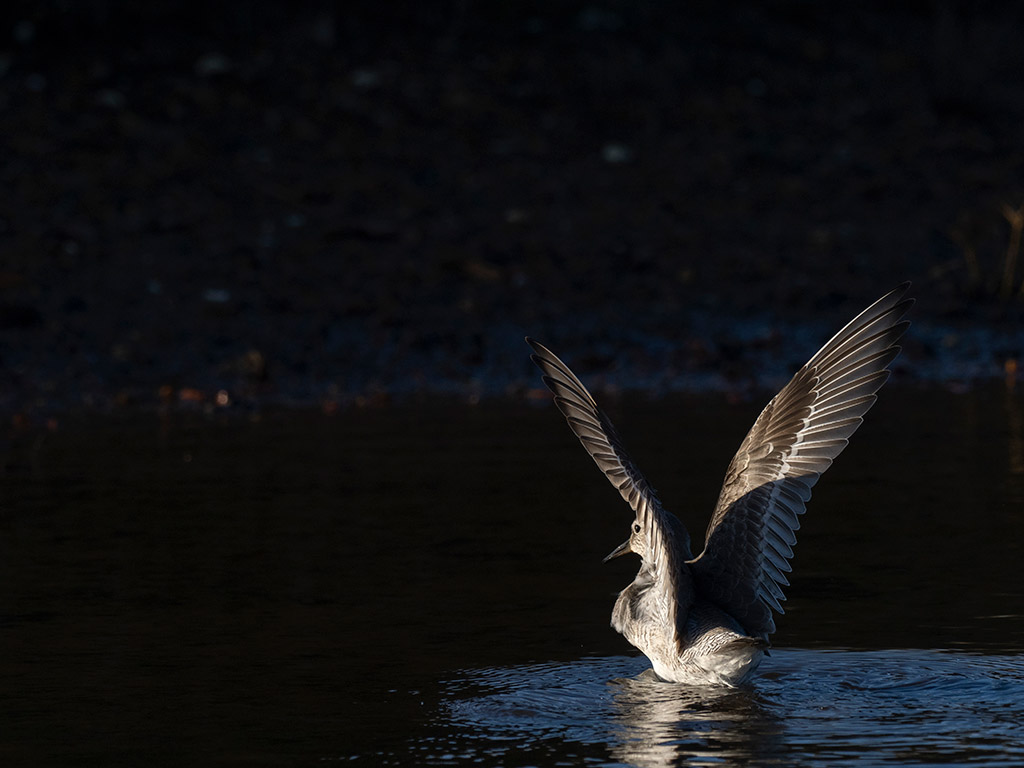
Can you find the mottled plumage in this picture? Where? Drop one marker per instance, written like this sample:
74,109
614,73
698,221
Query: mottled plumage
707,619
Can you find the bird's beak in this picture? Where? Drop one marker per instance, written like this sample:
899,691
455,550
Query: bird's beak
619,551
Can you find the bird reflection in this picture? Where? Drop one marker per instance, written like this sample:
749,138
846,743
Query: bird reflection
666,724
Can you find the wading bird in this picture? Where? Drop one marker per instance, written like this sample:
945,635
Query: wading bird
707,619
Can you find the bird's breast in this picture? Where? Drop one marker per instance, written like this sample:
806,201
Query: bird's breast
648,611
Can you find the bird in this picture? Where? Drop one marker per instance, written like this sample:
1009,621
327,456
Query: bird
706,620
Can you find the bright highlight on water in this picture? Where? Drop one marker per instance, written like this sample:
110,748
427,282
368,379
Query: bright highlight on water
707,619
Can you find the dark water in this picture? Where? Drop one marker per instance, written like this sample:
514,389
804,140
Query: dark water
809,707
423,585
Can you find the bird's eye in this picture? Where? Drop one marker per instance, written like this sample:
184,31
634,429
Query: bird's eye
636,527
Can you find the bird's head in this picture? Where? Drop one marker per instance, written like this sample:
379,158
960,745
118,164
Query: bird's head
637,542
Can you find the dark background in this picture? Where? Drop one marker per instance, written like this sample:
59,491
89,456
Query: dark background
373,202
361,202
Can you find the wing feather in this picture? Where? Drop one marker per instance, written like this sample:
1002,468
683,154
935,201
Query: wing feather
749,540
596,432
668,542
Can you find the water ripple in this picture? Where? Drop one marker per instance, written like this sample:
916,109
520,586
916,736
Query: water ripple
808,707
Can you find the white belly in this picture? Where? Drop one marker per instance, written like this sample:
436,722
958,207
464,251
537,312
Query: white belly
730,666
713,649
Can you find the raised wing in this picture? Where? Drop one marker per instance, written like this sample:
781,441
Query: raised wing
752,531
598,436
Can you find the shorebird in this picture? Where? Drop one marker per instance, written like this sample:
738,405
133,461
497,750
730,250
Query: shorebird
706,619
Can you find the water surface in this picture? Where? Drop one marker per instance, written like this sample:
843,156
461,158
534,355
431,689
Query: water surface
423,585
810,707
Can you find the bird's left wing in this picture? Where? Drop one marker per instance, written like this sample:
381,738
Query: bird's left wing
598,436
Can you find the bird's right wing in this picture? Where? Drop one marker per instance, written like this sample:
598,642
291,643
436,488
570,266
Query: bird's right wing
750,537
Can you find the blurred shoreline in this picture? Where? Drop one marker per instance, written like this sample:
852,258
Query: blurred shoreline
304,205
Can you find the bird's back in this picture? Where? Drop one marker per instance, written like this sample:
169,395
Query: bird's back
704,645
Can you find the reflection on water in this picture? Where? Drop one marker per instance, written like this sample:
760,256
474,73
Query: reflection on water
298,589
905,707
664,724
